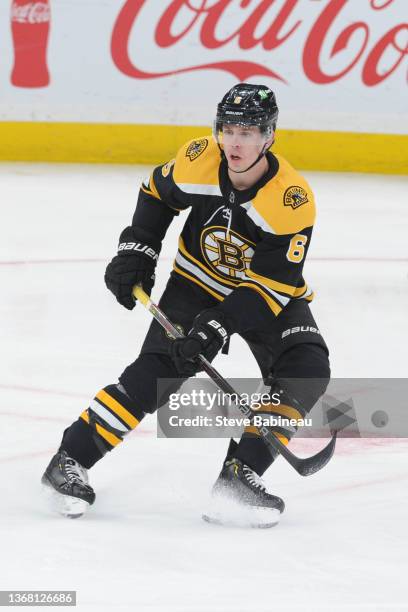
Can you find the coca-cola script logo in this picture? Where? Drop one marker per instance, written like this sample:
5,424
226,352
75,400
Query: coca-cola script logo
207,18
32,12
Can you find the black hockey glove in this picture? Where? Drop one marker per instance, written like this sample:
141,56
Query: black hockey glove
208,335
135,263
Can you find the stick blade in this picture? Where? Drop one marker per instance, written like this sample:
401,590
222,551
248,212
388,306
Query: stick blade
311,465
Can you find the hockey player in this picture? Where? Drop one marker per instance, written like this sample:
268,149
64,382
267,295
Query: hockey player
238,270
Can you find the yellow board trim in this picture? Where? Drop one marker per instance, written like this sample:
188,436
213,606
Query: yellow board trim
154,144
111,403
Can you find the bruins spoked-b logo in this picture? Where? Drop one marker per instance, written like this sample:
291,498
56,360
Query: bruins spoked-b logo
196,148
295,196
228,253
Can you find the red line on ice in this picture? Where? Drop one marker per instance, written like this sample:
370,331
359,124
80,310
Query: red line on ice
43,391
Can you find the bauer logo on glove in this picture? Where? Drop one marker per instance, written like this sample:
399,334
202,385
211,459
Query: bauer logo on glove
207,336
135,263
139,247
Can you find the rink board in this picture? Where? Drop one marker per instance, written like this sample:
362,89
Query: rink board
153,144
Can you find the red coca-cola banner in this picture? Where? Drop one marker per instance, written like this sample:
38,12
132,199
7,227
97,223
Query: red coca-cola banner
205,19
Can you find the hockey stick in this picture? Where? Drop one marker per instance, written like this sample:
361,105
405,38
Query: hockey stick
304,467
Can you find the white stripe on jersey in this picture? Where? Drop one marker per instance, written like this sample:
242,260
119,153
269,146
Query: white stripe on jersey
277,296
199,273
213,190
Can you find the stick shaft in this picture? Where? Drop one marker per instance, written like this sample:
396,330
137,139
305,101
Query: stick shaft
305,467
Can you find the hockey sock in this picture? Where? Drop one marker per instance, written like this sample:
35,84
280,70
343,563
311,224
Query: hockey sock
111,415
252,450
301,377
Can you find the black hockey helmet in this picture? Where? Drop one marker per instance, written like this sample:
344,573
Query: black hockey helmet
247,104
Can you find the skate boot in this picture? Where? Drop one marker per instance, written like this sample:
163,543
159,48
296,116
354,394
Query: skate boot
66,483
240,498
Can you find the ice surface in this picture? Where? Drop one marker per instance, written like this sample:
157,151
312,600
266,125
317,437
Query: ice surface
341,544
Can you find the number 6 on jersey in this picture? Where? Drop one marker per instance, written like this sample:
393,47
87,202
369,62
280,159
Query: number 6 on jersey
296,250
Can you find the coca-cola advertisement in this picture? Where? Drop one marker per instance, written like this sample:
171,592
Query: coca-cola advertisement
334,64
30,24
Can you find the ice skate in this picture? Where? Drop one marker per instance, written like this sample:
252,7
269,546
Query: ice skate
240,498
66,484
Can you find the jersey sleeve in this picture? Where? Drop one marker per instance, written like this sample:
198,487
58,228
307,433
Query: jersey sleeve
277,266
275,274
273,279
159,201
169,190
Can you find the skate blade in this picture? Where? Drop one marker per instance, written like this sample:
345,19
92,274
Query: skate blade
234,515
65,505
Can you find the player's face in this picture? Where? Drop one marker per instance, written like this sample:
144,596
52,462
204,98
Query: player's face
242,145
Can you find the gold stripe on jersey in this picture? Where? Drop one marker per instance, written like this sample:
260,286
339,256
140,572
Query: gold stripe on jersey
147,191
206,269
190,268
151,189
282,299
229,285
277,286
301,291
199,283
114,405
274,306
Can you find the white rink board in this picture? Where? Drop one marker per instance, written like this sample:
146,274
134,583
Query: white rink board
90,82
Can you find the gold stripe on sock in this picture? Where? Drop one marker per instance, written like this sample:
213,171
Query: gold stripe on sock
114,405
281,409
109,437
251,429
281,437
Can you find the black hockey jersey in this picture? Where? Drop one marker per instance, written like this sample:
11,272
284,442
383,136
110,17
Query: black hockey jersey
244,247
